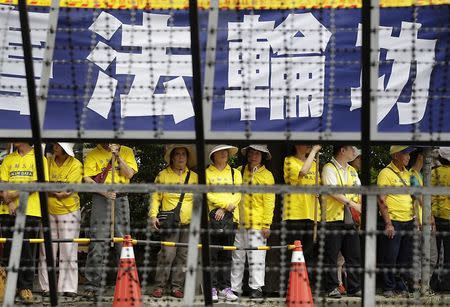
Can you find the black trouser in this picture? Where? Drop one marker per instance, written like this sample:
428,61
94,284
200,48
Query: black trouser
345,239
221,259
397,253
27,264
301,230
443,225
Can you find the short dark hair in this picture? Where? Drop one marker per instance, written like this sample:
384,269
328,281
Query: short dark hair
444,161
337,149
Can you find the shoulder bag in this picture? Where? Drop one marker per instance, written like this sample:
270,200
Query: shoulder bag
170,219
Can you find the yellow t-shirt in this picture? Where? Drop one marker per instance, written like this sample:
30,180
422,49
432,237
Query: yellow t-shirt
21,169
258,207
71,171
335,208
97,160
299,206
168,201
222,200
441,203
400,206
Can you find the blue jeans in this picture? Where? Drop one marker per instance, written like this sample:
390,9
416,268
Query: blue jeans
398,254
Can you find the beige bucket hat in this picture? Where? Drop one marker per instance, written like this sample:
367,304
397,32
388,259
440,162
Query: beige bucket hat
192,157
259,147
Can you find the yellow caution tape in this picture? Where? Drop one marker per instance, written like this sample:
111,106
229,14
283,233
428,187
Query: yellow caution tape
263,248
134,242
118,240
229,248
36,240
227,4
291,246
2,240
171,244
82,240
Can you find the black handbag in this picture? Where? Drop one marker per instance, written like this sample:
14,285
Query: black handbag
170,219
226,223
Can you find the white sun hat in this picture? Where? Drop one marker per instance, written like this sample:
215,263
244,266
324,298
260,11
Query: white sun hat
232,150
259,147
444,152
357,153
68,148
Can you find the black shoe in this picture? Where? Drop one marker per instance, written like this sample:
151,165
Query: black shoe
355,294
256,294
335,293
90,294
70,294
45,293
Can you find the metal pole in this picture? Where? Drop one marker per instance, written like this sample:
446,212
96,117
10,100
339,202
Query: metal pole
16,250
370,259
48,57
426,215
200,139
369,86
192,259
36,133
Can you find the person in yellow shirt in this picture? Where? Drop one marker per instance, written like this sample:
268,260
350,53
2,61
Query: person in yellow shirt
257,214
19,167
98,170
298,209
342,235
180,158
397,212
223,216
441,212
64,214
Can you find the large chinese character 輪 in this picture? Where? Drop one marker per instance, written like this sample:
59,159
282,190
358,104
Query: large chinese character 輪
290,80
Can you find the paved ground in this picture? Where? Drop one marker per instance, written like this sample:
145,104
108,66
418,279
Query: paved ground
438,300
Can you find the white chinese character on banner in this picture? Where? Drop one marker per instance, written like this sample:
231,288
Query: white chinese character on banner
155,60
412,58
13,85
291,82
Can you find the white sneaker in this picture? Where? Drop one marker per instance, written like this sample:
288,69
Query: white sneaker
215,298
228,295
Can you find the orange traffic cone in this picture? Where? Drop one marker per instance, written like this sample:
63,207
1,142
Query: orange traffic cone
299,292
128,288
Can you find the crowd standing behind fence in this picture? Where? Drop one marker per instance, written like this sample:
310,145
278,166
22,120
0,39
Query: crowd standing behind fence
240,220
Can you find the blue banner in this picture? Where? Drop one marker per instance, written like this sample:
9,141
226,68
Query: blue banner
275,70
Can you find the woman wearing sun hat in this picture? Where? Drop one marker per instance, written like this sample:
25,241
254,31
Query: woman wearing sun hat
257,217
64,213
223,211
180,158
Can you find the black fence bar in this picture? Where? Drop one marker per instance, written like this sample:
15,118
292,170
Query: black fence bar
37,141
200,144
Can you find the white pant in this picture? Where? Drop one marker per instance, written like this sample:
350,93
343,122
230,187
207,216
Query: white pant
63,226
256,259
